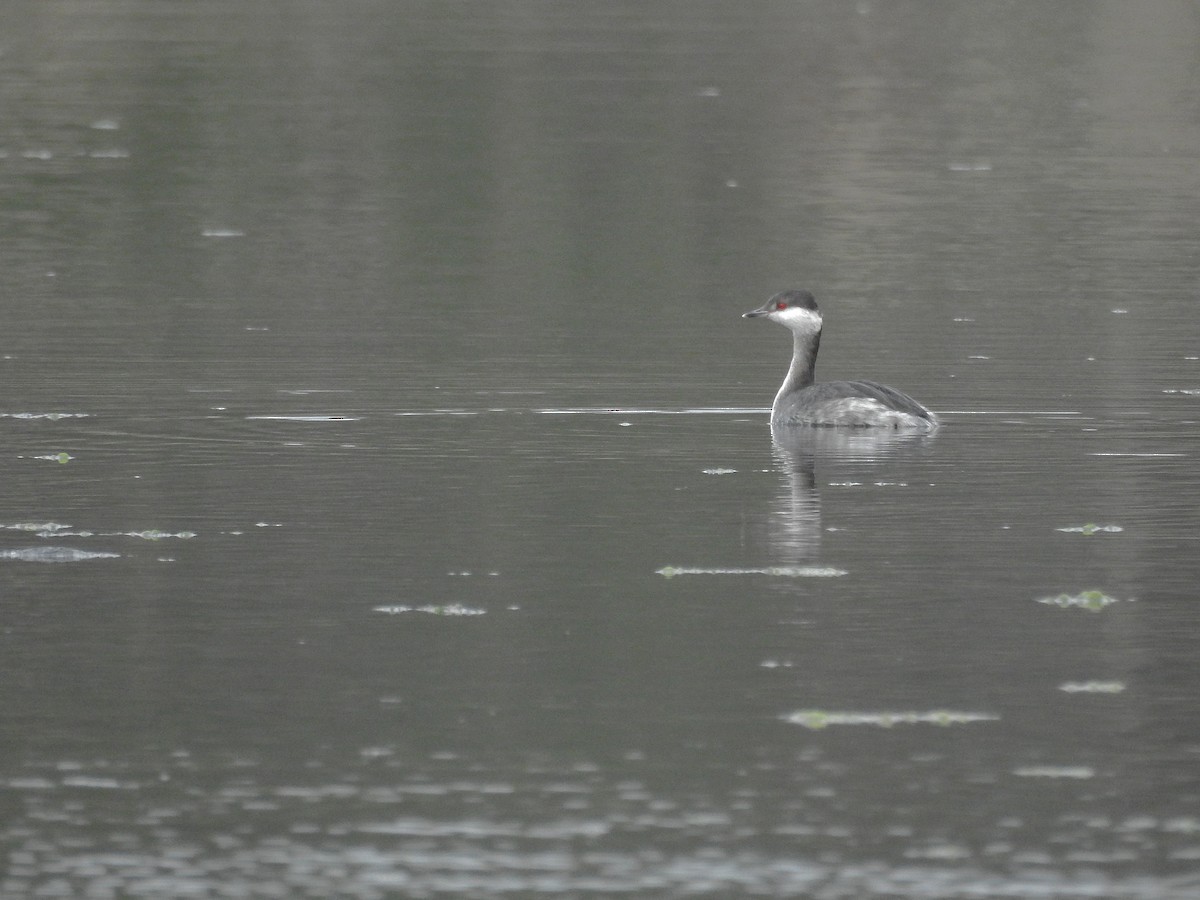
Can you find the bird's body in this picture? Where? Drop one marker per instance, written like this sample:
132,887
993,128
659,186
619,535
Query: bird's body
856,404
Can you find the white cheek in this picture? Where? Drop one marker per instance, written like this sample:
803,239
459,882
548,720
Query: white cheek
798,318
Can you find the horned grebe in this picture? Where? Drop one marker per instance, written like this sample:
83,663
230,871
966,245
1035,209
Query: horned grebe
831,403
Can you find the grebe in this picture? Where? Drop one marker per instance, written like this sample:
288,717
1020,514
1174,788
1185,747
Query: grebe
831,403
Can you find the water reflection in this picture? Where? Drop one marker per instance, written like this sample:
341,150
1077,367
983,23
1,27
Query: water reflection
795,531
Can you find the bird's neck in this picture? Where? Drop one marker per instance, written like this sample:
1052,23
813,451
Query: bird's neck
804,362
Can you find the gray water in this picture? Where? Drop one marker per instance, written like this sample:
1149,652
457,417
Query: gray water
389,507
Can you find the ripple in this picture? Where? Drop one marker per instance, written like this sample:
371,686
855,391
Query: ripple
775,571
328,418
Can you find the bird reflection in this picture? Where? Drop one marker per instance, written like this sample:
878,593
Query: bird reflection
795,526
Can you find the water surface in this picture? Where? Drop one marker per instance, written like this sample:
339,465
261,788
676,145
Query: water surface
391,508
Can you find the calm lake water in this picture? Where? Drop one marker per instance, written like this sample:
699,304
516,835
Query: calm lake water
390,508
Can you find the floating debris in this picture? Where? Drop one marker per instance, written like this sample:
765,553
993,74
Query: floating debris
1092,687
61,458
222,233
57,529
41,527
1191,392
1055,772
154,534
718,471
1091,528
453,609
777,571
54,555
1093,601
817,719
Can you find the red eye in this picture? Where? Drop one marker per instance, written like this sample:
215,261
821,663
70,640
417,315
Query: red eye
781,305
